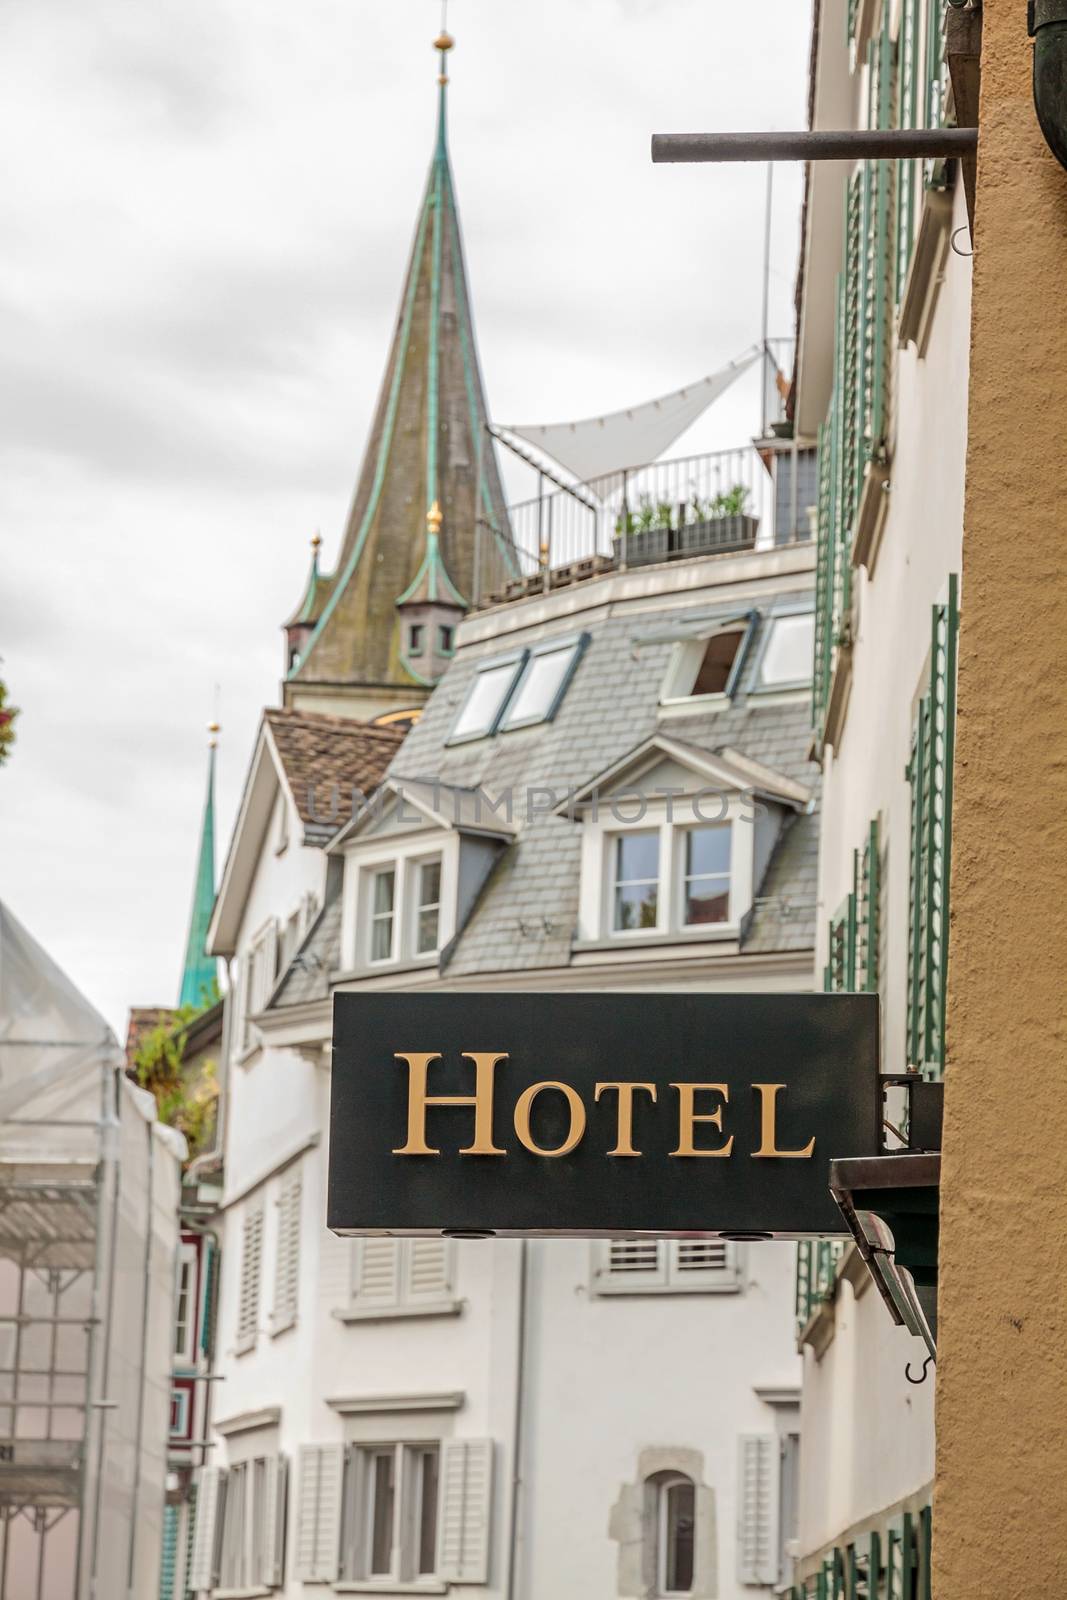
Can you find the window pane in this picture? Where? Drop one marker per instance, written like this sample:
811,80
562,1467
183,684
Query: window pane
707,900
636,906
384,885
637,857
382,1487
429,883
428,1513
678,1528
713,674
788,656
426,932
484,700
707,850
540,684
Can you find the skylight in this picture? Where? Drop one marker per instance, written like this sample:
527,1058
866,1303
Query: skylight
787,654
544,682
486,698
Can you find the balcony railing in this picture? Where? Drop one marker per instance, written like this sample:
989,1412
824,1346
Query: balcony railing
669,511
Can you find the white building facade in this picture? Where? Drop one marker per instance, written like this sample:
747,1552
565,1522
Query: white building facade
609,788
882,382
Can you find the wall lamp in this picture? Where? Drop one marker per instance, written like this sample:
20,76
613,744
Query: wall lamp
1046,22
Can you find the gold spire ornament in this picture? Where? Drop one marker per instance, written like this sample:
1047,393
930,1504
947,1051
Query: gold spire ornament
214,730
434,518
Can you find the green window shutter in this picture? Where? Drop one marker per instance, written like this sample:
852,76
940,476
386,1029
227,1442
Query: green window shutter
907,117
868,911
942,738
851,339
929,773
878,268
850,21
824,578
936,88
169,1560
839,976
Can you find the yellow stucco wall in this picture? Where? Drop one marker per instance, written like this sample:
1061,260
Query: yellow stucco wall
1000,1526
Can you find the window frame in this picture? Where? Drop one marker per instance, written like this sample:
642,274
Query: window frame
184,1354
612,881
385,869
596,914
663,1487
516,659
407,1532
769,624
576,644
689,654
683,878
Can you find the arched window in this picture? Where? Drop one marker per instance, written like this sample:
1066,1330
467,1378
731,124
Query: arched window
675,1524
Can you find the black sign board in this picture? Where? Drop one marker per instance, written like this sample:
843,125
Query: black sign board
598,1114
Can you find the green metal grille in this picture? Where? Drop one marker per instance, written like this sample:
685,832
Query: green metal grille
824,575
892,1563
907,117
816,1275
929,774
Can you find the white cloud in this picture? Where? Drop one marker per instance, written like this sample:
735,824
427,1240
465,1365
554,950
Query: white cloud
200,257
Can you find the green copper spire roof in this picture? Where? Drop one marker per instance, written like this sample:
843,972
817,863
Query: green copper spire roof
199,976
428,451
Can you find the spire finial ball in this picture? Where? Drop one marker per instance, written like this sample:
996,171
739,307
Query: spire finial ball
444,41
214,731
434,517
316,542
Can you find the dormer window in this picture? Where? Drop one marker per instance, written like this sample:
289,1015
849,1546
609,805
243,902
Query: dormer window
403,909
704,672
675,842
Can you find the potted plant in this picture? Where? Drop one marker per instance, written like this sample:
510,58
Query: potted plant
722,523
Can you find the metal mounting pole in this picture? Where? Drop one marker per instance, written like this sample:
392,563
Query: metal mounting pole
846,144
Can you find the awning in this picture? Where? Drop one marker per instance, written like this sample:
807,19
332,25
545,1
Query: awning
598,449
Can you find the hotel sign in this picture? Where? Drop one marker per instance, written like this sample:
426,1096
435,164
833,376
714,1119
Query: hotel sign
598,1114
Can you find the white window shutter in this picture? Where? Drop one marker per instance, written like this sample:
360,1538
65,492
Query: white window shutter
704,1263
318,1523
628,1266
202,1564
287,1266
757,1509
270,1560
377,1272
251,1271
463,1513
426,1270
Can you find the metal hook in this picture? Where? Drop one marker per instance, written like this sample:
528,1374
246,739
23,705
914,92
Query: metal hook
966,254
907,1371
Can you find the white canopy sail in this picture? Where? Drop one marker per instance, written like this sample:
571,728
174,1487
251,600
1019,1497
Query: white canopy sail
600,448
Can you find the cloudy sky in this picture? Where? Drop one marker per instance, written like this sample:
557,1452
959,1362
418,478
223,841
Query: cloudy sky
204,223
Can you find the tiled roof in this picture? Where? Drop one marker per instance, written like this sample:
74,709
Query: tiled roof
528,910
327,758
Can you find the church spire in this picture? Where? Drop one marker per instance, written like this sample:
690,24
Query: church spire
199,975
429,475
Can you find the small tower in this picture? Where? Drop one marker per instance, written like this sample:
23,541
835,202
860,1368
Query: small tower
200,977
373,636
301,625
430,609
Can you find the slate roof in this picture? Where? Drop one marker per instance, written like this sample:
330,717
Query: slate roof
325,758
527,912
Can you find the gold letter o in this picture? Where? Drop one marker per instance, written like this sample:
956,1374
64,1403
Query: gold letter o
524,1105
